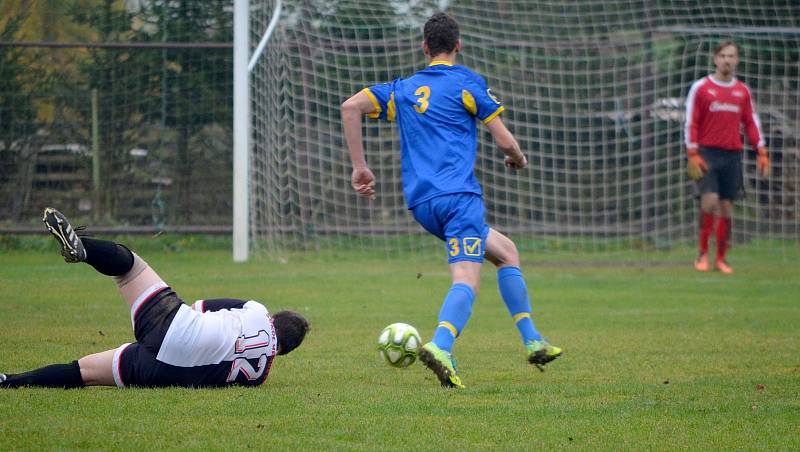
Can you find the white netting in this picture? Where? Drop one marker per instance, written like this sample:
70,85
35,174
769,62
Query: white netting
594,93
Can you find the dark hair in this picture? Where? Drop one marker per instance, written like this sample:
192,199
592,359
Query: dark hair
718,48
290,329
441,34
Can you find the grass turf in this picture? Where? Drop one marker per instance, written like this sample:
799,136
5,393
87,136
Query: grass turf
659,357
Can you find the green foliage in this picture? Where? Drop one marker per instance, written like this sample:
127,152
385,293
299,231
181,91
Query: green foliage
173,103
12,68
174,93
655,358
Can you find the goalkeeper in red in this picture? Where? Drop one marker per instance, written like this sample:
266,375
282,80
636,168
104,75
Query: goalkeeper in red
435,111
716,107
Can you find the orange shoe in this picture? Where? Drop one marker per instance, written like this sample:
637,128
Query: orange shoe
723,267
701,264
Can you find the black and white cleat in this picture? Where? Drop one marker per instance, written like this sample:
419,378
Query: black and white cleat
71,246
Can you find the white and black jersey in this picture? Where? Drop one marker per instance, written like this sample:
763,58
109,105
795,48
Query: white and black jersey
213,343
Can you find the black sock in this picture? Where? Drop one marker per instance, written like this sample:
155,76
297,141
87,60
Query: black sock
53,376
108,258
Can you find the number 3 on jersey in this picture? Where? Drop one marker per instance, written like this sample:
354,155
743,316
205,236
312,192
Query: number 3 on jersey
424,92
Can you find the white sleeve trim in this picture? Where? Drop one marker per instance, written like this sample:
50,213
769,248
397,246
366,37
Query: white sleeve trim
761,142
690,99
756,119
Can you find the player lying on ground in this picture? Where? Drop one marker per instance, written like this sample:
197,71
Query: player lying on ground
217,342
435,110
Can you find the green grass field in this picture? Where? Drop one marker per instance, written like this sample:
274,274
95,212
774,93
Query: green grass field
658,357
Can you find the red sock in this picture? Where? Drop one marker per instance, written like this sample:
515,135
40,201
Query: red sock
723,237
706,226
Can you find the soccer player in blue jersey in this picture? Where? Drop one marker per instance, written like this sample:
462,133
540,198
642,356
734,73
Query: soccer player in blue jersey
435,110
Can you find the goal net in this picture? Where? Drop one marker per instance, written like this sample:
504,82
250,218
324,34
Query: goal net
594,92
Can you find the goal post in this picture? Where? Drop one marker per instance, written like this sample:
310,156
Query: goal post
243,64
241,129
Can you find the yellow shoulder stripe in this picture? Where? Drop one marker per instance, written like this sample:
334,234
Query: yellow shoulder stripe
391,112
469,102
377,113
494,115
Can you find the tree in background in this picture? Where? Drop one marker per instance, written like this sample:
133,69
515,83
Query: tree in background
16,120
196,88
162,98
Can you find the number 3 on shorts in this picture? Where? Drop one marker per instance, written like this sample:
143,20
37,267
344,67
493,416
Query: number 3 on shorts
453,245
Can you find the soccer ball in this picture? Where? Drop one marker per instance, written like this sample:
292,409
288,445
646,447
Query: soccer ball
398,344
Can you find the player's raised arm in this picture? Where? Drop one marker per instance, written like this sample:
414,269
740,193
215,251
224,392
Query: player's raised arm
507,143
362,179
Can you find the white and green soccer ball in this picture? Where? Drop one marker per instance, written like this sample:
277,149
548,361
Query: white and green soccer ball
398,344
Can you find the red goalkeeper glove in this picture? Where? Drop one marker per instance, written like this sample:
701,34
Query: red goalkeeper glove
762,162
696,166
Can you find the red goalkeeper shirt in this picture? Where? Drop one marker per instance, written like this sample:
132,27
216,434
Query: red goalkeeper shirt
716,110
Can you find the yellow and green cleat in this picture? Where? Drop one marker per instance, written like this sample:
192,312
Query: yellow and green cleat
541,353
442,364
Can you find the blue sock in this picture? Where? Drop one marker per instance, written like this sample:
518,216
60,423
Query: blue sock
515,295
453,317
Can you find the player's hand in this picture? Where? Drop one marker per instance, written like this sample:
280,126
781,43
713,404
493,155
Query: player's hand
762,162
363,182
516,163
696,167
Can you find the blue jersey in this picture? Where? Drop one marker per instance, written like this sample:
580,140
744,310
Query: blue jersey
435,111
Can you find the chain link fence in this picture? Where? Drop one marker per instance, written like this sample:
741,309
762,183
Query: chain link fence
131,131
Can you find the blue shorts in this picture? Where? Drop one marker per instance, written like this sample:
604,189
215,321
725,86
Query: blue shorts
458,219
